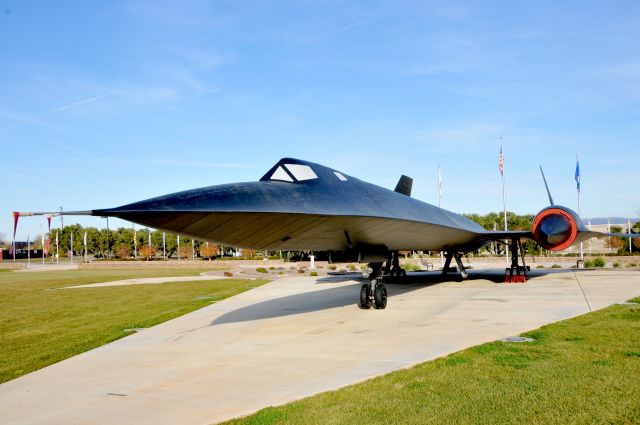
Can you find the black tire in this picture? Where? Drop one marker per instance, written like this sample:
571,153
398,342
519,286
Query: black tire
380,296
403,273
365,301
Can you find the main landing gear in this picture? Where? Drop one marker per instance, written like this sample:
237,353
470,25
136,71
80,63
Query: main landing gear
516,273
447,262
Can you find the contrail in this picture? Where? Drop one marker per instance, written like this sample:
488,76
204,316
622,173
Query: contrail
53,111
327,34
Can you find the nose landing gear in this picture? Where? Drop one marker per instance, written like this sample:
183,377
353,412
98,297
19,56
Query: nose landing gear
373,293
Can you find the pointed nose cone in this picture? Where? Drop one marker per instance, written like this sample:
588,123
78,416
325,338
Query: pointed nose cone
553,230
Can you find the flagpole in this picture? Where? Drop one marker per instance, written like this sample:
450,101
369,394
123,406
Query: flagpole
504,202
15,227
439,206
28,250
579,209
42,248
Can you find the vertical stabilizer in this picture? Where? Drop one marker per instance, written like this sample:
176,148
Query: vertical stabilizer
404,185
546,186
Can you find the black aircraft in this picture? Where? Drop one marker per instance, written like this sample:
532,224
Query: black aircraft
299,205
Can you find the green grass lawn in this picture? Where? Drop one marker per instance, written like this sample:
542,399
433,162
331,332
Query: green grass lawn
584,370
40,325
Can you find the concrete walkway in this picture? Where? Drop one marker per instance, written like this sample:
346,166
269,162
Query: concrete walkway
47,267
147,281
289,339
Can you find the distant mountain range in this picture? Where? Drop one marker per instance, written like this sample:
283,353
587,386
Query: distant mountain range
612,220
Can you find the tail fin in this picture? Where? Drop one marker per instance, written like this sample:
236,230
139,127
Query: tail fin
547,186
404,185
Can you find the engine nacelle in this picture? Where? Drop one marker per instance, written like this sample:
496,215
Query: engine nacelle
555,228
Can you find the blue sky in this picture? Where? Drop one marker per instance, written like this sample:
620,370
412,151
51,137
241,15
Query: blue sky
106,103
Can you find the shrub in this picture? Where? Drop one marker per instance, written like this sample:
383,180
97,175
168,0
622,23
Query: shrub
352,267
616,264
313,274
332,267
262,270
410,267
539,266
556,266
598,262
123,251
632,265
272,268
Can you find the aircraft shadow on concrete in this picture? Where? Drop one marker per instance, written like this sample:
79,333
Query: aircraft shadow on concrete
306,302
348,295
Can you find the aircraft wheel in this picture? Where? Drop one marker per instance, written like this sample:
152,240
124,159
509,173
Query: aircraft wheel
365,301
380,297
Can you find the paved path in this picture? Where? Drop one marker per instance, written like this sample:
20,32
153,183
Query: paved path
47,267
147,281
289,339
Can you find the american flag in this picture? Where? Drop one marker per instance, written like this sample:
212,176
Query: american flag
501,162
577,175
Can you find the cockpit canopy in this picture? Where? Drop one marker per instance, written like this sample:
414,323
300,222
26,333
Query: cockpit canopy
296,171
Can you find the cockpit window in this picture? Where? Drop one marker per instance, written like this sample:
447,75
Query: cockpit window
301,172
281,175
340,176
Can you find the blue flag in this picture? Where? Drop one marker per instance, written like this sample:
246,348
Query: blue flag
578,175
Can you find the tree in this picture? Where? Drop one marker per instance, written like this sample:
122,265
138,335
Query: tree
617,243
209,251
122,250
514,222
170,242
147,252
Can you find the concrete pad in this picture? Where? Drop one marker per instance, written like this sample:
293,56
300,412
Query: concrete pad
290,339
147,281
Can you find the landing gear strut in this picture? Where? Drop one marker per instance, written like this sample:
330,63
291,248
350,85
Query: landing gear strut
448,257
516,273
392,266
